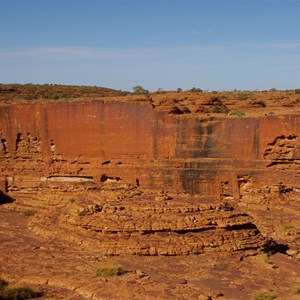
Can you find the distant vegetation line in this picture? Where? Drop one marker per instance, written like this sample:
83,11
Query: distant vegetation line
54,91
9,92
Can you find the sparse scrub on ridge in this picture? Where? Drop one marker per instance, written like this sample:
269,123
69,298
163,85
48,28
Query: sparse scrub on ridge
108,270
264,295
139,90
194,89
12,92
297,91
243,95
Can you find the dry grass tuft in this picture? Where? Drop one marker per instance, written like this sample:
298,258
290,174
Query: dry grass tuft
265,257
296,290
264,295
107,270
16,293
29,213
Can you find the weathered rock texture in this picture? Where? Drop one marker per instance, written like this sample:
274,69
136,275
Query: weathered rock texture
153,143
125,220
151,175
56,142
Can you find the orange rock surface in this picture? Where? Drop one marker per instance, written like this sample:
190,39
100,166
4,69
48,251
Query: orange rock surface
156,175
131,141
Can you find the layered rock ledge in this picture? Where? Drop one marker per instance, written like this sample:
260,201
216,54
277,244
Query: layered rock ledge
52,151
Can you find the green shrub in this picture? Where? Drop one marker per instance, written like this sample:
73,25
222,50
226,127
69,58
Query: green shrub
264,295
139,90
281,229
296,290
196,90
31,97
265,257
72,200
243,95
3,284
29,213
288,226
237,113
220,109
297,91
135,193
18,293
109,270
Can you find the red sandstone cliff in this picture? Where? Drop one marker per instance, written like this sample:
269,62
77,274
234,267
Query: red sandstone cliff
152,175
98,140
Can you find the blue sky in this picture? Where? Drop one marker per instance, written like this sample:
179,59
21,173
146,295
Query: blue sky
211,44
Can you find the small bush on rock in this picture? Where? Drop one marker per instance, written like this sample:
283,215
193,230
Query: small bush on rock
237,113
139,90
296,290
3,284
264,295
16,293
265,257
220,110
243,95
109,270
29,213
196,90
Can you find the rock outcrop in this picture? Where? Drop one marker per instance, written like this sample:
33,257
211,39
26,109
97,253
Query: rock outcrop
122,220
180,189
197,145
132,142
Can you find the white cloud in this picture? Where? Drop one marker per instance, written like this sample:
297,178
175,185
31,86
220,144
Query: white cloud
77,52
62,53
65,52
287,46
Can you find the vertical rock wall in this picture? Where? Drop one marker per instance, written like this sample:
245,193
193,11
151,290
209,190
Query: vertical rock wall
96,141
